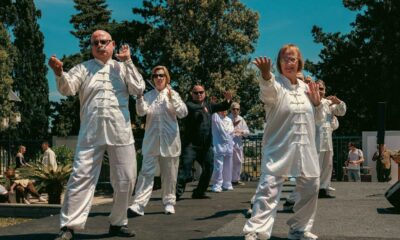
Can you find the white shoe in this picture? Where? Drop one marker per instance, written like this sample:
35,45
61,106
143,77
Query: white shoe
26,201
300,235
263,236
227,189
42,199
250,236
216,189
331,189
169,209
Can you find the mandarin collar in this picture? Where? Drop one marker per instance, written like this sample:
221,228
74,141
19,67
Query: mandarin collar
109,61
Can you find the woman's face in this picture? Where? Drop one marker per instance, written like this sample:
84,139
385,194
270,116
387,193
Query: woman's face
159,79
289,61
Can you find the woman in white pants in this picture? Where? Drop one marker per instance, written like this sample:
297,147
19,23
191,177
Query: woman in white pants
161,144
292,110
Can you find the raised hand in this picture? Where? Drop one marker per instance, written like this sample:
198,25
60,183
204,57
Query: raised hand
334,99
124,53
264,65
228,96
169,89
313,93
56,65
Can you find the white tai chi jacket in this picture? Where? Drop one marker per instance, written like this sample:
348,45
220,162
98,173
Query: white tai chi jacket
49,159
104,91
162,131
289,134
222,132
240,126
329,123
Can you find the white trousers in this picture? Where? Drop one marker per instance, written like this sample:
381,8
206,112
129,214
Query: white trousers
222,172
326,165
267,199
82,183
169,171
237,160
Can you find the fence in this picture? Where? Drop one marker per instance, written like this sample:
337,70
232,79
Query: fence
253,148
251,165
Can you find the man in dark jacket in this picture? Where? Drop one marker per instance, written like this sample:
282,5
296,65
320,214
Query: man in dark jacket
197,141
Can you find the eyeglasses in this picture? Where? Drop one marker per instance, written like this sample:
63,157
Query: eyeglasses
237,109
162,75
102,42
198,93
289,60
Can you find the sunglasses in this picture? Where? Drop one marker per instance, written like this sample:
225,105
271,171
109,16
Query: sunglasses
236,109
158,75
102,42
198,93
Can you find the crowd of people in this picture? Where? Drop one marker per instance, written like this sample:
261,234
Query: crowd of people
297,141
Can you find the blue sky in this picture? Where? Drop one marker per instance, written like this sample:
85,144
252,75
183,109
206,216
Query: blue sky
281,22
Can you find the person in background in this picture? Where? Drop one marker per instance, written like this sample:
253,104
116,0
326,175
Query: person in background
240,130
222,133
49,157
293,109
332,106
354,159
104,86
197,140
161,144
20,159
383,157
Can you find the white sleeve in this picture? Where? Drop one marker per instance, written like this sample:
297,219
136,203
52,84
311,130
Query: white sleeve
68,84
179,106
268,90
133,79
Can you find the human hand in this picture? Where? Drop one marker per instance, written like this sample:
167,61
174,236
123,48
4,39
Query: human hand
56,65
169,90
313,93
124,53
228,96
334,99
264,65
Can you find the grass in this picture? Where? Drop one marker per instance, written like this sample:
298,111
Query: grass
5,222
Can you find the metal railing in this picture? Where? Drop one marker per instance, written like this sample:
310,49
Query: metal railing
252,149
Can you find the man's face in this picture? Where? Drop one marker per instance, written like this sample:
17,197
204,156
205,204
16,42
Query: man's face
198,94
102,45
44,147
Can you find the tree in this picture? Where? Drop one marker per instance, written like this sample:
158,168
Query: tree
30,72
206,42
92,15
361,67
6,80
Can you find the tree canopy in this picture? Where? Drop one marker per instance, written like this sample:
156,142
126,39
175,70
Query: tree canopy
361,67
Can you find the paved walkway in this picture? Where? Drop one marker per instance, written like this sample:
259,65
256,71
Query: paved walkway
356,213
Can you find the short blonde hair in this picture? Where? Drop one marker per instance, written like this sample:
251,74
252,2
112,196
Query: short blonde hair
235,105
284,48
164,68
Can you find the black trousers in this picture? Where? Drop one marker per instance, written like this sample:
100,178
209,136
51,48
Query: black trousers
205,157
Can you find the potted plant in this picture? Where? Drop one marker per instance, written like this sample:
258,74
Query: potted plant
52,181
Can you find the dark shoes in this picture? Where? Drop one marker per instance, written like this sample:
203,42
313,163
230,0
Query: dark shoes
121,231
197,195
238,183
323,193
65,234
288,207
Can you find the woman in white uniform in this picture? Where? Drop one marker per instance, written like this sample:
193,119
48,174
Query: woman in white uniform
292,110
161,144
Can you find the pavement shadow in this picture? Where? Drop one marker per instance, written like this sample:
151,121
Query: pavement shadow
223,214
51,236
232,238
390,210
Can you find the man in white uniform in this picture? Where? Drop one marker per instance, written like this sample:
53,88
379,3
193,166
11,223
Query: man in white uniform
49,157
332,106
241,130
104,86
